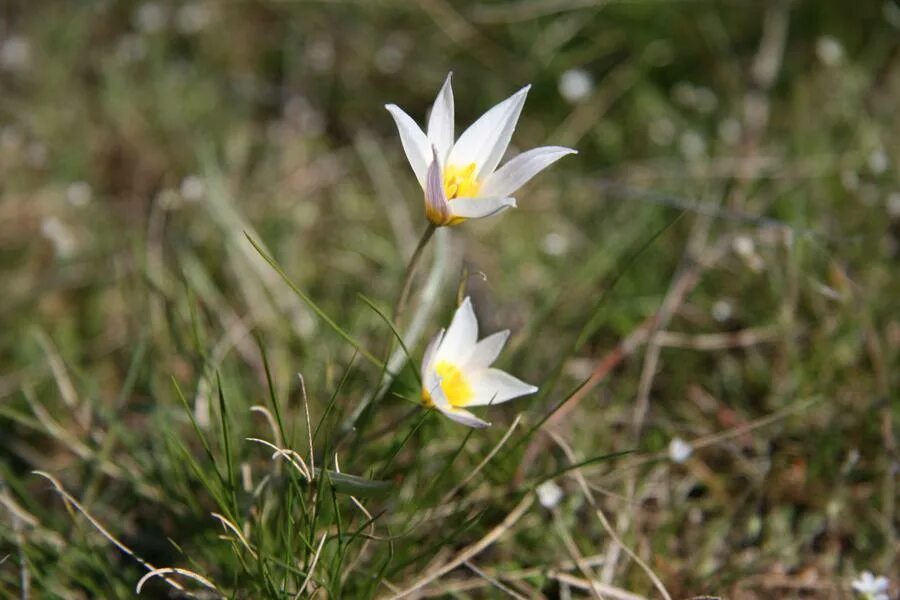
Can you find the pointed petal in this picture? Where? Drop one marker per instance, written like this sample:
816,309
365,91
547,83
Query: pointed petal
461,335
428,374
485,141
414,141
440,122
486,351
493,386
459,415
476,208
515,173
437,210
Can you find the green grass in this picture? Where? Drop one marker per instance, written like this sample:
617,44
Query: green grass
718,264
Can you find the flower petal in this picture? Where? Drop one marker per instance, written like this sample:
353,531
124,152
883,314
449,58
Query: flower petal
493,386
476,208
437,211
428,374
486,351
415,143
440,122
485,141
461,335
515,173
459,415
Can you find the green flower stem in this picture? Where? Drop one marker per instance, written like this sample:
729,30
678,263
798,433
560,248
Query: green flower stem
414,261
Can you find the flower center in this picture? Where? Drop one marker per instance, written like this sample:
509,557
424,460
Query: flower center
453,383
460,182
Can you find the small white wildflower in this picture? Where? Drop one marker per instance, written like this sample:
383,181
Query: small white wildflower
78,193
549,494
59,235
730,131
460,176
893,205
829,50
457,373
692,145
193,188
871,587
661,131
575,85
744,245
193,17
555,244
878,161
15,54
722,310
679,450
150,17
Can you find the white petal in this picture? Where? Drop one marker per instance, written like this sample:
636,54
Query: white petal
515,173
493,386
461,335
485,141
437,210
428,375
486,351
440,122
459,415
415,143
476,208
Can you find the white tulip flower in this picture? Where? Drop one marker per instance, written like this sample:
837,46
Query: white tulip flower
460,178
456,371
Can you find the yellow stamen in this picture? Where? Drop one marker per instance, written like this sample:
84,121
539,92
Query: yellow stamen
453,383
460,182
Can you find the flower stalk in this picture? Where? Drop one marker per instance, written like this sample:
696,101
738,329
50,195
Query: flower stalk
411,267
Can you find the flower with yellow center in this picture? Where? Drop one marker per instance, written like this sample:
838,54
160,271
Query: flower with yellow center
456,370
460,178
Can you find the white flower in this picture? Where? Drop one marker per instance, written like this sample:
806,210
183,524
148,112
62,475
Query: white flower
549,494
193,188
575,85
59,234
871,587
679,450
79,193
829,50
456,373
460,178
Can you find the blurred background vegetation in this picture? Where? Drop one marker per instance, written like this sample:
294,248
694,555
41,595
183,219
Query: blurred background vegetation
719,263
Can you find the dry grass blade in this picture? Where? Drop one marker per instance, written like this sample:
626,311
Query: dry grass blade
579,477
231,526
610,591
103,531
484,462
494,582
473,550
289,455
173,571
312,566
